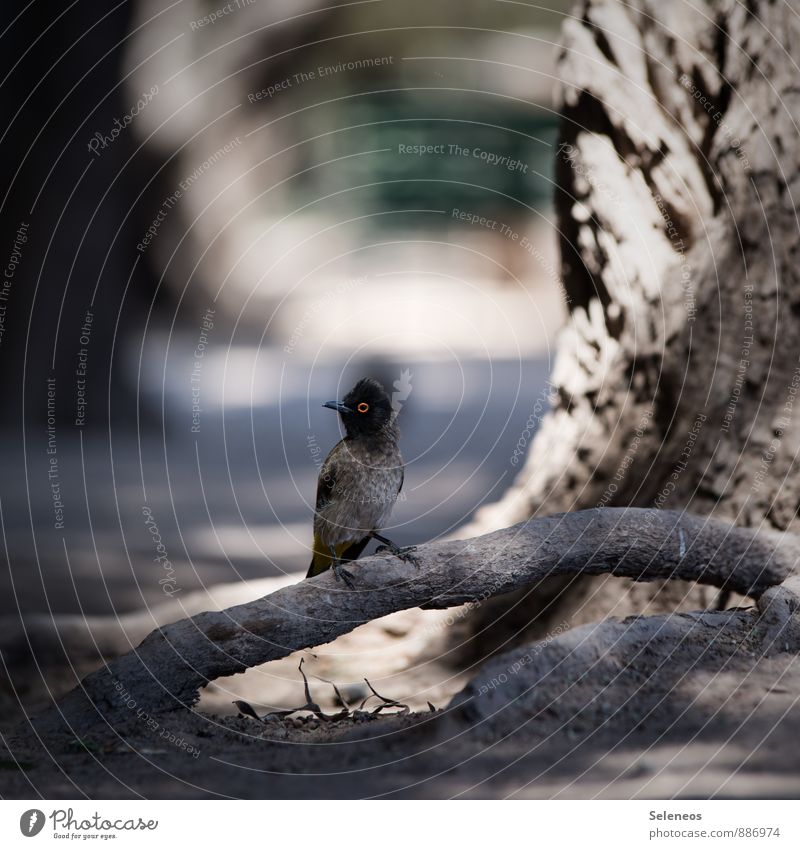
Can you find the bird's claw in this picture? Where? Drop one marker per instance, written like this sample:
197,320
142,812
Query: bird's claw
341,574
404,553
407,554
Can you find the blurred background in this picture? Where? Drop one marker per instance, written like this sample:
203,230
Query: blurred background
218,216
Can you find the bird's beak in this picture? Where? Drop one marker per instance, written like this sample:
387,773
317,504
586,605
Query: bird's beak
338,406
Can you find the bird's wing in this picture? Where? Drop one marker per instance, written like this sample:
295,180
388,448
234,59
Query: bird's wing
326,483
327,478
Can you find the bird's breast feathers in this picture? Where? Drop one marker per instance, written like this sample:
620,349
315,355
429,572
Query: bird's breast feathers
359,484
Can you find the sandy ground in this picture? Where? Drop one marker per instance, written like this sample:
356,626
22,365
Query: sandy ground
697,712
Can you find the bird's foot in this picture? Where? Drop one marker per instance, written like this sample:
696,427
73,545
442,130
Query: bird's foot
341,574
404,553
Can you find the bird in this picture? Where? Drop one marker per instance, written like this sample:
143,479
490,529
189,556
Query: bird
358,483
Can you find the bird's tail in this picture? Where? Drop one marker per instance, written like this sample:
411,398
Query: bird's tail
323,559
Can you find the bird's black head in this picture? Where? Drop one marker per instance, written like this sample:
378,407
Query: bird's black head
366,409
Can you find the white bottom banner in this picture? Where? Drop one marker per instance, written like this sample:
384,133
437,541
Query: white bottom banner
396,824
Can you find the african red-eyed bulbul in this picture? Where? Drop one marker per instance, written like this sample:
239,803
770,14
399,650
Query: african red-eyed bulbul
358,482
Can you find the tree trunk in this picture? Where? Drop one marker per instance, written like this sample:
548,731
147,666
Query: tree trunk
71,285
677,373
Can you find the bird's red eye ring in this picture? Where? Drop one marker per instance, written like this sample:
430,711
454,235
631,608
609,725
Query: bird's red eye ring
362,407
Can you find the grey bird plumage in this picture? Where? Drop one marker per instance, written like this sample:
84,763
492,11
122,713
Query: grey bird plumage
359,481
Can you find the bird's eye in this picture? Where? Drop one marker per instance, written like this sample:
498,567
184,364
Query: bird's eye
362,407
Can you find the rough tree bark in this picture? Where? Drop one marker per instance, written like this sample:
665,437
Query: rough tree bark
171,665
677,174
